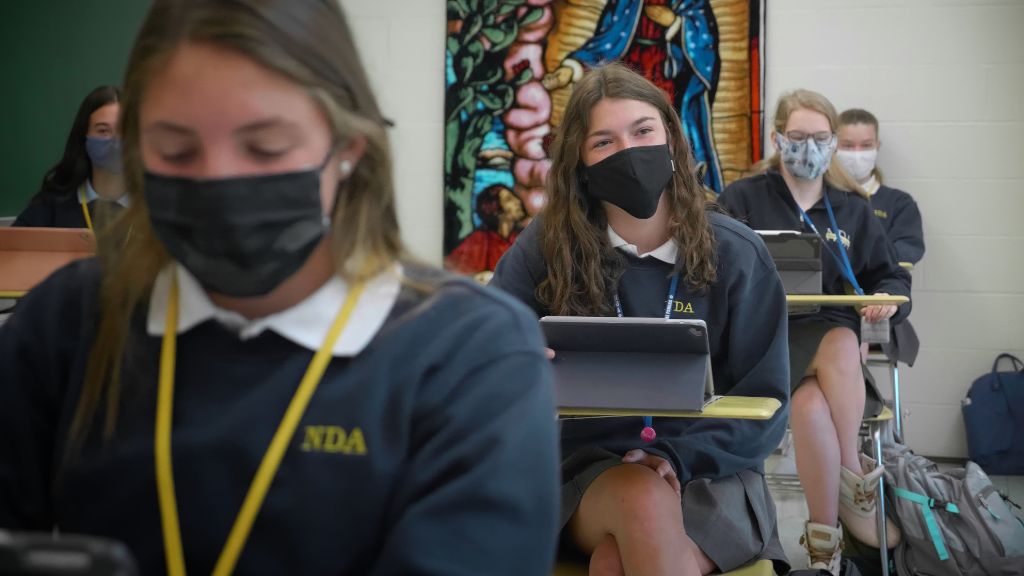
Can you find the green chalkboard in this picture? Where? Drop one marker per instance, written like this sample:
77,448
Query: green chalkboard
52,53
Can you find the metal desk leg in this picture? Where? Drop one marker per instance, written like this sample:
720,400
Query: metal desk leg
883,550
897,407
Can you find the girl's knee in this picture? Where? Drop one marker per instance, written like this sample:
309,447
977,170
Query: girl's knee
639,496
840,350
808,400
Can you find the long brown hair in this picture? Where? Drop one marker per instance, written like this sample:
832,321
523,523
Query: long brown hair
309,42
582,266
861,116
836,176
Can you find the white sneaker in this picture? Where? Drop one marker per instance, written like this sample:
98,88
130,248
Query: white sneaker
858,506
824,547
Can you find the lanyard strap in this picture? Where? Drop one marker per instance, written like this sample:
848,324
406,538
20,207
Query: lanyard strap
843,261
85,208
261,481
672,286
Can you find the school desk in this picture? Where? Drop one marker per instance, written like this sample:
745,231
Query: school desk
907,265
842,300
29,255
736,407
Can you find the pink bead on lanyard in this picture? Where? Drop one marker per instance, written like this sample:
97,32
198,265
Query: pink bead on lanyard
648,434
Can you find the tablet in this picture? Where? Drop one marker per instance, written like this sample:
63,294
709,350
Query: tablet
624,366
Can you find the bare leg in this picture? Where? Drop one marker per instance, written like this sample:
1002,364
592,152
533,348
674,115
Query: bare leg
826,412
837,366
817,451
641,513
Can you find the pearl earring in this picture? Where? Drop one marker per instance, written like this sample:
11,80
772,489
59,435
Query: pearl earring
345,167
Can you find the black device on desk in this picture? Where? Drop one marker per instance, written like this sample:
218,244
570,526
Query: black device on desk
797,257
46,554
642,366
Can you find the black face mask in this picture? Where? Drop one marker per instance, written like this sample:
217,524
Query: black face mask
238,236
632,179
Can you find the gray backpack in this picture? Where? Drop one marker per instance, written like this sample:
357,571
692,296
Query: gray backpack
953,522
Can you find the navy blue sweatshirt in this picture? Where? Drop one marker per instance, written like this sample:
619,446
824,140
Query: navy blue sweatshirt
437,453
901,220
764,202
53,211
745,311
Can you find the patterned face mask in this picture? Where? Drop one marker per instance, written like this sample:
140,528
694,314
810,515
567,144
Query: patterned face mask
806,160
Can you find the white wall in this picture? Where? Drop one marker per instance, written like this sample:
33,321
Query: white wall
946,79
402,46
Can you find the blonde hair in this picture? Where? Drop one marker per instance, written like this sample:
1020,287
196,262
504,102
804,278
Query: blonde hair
309,42
836,176
861,116
582,266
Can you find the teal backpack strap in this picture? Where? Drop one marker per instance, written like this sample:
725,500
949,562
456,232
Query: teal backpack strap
927,504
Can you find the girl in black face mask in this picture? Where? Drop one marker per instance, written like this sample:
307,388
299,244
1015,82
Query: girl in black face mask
256,379
626,232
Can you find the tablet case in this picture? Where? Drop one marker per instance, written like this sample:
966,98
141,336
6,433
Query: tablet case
797,257
642,366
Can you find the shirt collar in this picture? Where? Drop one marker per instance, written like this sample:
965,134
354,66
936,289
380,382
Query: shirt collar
667,252
871,186
305,324
91,194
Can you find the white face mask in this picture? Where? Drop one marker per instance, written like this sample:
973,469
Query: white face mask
859,163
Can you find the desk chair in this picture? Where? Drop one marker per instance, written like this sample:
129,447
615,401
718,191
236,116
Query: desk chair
902,347
874,428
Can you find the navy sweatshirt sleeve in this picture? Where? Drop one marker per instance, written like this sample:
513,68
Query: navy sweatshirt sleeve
879,269
905,228
38,360
481,494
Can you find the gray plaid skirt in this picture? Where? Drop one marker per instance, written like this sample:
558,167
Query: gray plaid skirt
731,519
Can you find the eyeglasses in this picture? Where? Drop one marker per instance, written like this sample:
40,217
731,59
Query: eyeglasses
822,137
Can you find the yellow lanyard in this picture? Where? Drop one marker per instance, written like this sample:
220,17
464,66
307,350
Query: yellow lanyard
85,209
175,557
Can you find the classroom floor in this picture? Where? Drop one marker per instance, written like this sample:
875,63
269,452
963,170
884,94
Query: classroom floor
792,510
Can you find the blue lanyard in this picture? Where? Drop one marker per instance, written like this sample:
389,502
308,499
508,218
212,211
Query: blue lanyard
843,260
672,286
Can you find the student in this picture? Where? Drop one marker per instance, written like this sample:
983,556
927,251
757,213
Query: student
626,231
141,393
897,211
89,174
802,181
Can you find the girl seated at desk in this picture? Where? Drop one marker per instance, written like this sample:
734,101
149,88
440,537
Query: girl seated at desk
626,231
259,380
895,209
803,187
86,185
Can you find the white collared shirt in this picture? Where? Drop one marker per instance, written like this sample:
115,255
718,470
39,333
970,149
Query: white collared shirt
305,324
91,194
667,252
871,185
